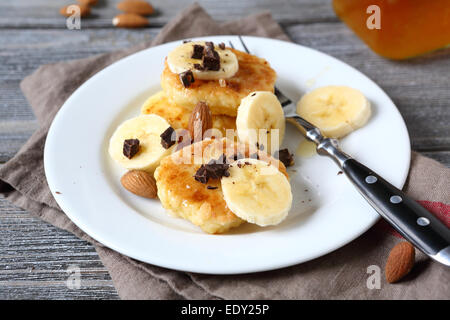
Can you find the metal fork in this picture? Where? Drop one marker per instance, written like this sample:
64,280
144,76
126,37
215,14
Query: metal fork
410,219
281,97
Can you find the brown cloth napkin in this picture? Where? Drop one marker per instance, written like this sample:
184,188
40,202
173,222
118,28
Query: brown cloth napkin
342,274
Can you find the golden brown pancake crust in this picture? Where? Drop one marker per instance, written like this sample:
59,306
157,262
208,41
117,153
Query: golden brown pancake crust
178,116
254,74
183,196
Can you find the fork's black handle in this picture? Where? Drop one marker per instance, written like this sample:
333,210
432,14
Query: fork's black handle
409,218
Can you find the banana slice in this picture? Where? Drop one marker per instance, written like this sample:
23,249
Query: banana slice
260,119
146,128
179,60
335,110
257,192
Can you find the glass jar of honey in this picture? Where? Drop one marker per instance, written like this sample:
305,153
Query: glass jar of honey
398,29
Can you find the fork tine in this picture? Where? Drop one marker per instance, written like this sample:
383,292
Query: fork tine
284,101
243,44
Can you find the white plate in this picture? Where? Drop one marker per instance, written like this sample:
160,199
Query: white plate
78,167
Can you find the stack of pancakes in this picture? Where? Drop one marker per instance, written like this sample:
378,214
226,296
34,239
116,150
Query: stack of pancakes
179,192
175,103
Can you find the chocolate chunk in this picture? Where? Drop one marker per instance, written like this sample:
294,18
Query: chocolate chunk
215,169
187,78
211,187
226,173
202,175
222,46
199,67
211,60
168,138
209,45
285,157
198,51
130,148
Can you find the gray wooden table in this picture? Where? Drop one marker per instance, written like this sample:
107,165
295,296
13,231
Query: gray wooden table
34,256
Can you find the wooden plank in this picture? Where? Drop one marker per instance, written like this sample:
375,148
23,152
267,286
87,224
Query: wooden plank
13,134
23,51
35,256
45,13
45,291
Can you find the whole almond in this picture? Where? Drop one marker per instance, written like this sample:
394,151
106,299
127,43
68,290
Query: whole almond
199,121
129,20
67,11
88,2
140,7
400,261
140,183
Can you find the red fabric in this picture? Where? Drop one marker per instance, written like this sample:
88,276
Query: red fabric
439,209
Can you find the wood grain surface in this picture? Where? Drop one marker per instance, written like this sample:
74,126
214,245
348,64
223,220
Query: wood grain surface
34,256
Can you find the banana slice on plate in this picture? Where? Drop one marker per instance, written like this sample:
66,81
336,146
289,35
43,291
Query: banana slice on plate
260,119
335,110
180,60
257,192
147,129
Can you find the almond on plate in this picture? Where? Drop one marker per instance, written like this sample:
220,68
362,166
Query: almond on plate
67,11
400,261
140,183
129,20
200,121
140,7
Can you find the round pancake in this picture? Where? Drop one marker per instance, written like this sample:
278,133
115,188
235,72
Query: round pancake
183,196
254,74
178,116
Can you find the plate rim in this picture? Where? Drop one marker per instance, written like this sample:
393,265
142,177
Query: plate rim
289,262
